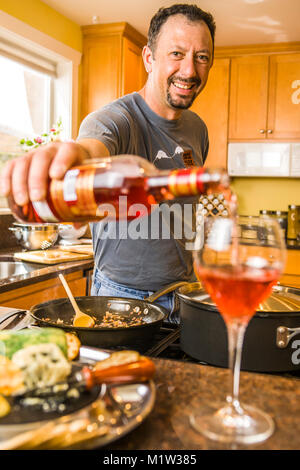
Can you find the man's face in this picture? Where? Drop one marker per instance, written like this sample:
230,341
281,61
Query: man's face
179,66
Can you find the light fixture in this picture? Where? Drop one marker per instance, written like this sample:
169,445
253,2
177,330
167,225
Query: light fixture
252,2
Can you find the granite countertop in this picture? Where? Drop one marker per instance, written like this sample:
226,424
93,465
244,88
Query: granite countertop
182,386
41,272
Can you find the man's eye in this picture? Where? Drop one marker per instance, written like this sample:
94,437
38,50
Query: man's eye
176,54
204,59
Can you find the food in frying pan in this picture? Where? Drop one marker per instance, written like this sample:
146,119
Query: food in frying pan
117,320
134,317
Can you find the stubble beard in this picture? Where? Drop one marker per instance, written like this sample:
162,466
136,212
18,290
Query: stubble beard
183,102
180,103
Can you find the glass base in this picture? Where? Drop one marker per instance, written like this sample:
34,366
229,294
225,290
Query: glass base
241,425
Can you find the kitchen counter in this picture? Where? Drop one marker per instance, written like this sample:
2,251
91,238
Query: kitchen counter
182,386
41,273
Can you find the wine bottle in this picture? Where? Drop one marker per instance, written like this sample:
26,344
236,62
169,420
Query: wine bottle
116,188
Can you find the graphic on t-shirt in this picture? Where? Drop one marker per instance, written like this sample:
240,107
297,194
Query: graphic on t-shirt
161,154
188,159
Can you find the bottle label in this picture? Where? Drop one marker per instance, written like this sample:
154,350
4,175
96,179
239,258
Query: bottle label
186,183
73,197
69,187
43,211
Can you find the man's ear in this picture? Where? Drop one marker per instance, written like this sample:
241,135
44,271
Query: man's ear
147,58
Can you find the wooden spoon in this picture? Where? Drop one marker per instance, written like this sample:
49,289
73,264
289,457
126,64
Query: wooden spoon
80,319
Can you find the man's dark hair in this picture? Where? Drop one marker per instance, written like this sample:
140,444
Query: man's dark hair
191,12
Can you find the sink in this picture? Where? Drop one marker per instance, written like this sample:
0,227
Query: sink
14,268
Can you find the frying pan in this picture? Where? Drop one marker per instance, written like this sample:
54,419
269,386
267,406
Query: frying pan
137,336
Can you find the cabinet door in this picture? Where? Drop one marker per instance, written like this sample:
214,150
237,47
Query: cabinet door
248,97
284,97
101,72
26,297
134,73
212,106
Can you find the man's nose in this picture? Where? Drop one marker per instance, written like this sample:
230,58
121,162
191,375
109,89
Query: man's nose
187,67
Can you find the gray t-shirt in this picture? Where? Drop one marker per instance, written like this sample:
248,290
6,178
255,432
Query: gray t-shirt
129,126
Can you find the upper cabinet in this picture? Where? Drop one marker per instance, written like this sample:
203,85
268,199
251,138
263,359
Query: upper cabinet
252,93
265,97
112,64
284,97
212,106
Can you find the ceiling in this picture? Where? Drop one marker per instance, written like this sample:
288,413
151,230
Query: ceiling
238,21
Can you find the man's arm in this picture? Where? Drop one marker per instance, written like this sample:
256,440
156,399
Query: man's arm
26,177
94,148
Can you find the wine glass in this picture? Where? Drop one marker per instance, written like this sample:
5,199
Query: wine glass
238,260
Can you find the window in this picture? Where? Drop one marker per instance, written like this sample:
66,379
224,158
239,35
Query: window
25,97
38,86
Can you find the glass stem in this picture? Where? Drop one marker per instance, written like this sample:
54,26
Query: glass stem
236,332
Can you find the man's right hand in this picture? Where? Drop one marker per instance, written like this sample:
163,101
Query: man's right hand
26,177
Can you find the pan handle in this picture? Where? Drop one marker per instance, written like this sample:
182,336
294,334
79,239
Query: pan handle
165,290
11,314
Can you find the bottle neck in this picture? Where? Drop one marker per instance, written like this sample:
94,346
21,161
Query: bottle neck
180,183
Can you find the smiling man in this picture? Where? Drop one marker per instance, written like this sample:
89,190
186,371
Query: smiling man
178,58
154,123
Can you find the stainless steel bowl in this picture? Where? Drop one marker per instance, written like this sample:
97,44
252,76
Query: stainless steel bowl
35,237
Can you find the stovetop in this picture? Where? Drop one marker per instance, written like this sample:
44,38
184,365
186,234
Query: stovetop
165,344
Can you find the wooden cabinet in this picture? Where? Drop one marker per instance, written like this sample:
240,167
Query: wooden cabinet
112,64
284,97
264,97
26,297
212,106
291,276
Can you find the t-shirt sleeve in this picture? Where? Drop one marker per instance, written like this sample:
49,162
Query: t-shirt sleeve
108,125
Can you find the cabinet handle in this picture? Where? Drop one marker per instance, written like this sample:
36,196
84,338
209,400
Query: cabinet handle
262,131
270,131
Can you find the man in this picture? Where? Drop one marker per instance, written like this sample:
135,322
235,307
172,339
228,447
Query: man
155,124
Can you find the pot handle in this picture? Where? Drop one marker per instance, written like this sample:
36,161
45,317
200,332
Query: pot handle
165,290
11,314
14,229
284,335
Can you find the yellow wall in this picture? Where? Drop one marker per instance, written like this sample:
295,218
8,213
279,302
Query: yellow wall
44,18
255,194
